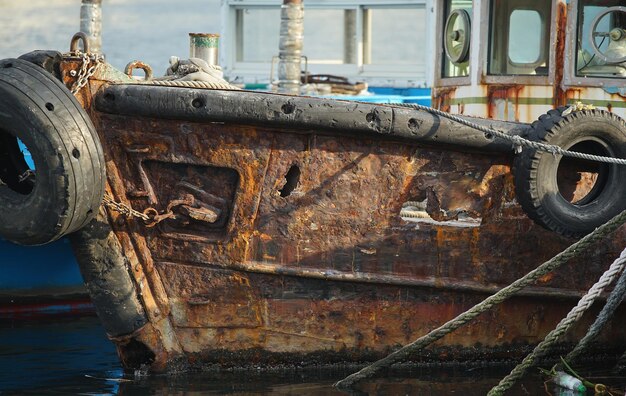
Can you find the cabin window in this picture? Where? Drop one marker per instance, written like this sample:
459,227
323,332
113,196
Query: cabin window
524,37
456,38
520,37
601,41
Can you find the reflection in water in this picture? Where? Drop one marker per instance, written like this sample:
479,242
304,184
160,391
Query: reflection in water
73,356
53,355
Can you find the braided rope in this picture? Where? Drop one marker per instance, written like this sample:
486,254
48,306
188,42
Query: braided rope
193,84
517,141
502,295
614,300
414,204
563,326
414,214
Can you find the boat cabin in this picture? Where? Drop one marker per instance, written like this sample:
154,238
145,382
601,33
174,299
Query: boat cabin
516,59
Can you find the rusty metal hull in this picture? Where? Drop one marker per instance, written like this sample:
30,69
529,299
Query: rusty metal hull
305,258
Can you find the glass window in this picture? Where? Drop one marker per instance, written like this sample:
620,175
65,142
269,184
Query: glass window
520,37
257,34
601,41
524,37
398,43
456,38
329,45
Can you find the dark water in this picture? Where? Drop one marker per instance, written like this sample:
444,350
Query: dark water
72,356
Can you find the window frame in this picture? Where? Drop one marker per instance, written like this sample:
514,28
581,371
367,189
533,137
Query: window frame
570,78
440,23
518,79
542,50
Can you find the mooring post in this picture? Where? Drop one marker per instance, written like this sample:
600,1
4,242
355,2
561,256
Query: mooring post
290,46
91,23
204,46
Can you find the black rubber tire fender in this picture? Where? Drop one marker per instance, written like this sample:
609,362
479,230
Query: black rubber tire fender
537,179
68,185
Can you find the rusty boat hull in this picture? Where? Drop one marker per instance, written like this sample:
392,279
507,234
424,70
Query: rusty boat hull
294,250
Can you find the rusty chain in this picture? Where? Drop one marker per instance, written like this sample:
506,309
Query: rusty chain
28,173
86,70
150,216
124,209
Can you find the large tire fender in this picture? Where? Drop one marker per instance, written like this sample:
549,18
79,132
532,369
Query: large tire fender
67,187
546,184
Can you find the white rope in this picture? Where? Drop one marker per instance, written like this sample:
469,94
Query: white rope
572,317
517,141
193,84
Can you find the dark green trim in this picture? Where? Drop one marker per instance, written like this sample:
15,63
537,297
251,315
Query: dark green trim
535,102
621,104
202,41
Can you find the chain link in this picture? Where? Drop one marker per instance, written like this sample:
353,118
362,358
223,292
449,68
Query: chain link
150,216
86,70
26,175
124,209
88,67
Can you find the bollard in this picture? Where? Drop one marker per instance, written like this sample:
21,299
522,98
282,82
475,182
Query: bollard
204,46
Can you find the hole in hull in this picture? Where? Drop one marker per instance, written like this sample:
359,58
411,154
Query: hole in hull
292,179
135,354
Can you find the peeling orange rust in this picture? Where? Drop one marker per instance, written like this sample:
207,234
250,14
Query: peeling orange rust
138,65
306,259
442,98
508,93
560,95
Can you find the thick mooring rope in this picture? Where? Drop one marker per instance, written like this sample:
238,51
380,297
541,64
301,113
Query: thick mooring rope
504,294
572,317
194,84
517,141
615,299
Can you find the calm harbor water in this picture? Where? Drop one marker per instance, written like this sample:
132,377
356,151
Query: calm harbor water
72,356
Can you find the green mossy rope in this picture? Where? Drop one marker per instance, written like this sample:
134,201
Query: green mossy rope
504,294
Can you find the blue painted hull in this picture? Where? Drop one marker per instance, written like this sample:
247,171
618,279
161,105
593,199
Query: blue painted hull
28,268
40,280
